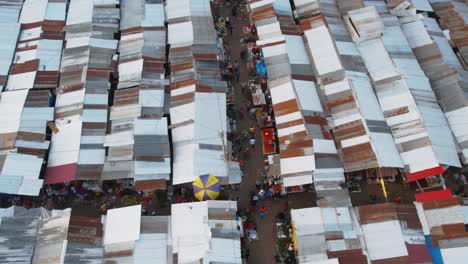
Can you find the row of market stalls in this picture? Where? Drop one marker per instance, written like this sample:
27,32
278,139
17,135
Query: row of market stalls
430,231
77,151
203,231
31,51
138,141
383,101
392,102
198,96
88,94
307,152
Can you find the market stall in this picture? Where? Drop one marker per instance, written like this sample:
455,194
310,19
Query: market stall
268,141
258,97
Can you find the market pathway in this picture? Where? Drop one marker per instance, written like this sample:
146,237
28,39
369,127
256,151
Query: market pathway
264,249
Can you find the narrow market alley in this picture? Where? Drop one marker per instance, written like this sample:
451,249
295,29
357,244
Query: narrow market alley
265,248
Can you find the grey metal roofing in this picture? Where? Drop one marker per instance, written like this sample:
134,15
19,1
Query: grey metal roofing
203,30
151,145
154,15
49,52
83,254
25,234
132,13
8,40
21,169
56,10
155,234
10,10
52,239
18,236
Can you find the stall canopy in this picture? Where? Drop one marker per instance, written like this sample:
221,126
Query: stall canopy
198,95
206,231
321,235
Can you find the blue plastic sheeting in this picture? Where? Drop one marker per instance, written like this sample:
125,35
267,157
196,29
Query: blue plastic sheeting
435,252
261,69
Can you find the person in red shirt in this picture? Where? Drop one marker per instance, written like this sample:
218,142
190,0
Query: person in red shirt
262,211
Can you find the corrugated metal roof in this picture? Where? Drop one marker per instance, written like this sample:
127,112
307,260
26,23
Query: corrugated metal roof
154,16
18,238
154,242
11,107
216,237
56,11
431,114
322,232
7,49
65,147
26,235
80,11
51,241
33,11
10,11
283,64
393,246
49,53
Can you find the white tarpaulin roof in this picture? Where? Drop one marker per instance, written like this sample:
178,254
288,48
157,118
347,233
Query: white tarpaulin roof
391,247
122,225
190,231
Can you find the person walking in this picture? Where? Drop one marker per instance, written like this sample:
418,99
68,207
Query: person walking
261,194
252,130
236,65
237,75
252,143
255,200
258,184
243,86
234,10
262,211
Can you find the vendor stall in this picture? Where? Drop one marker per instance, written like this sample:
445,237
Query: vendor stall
268,140
262,118
257,95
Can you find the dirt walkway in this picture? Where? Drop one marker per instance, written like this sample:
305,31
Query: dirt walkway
264,249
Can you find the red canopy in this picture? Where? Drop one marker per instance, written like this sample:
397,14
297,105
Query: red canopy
425,173
433,196
268,137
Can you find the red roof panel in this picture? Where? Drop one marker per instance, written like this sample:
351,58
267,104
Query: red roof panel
61,174
425,173
433,196
418,253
